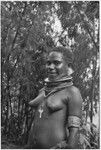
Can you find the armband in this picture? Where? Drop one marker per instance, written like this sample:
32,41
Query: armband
74,121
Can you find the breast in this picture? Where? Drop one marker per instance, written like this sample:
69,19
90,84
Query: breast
52,129
56,100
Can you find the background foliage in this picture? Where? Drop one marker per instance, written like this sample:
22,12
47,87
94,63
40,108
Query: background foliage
28,32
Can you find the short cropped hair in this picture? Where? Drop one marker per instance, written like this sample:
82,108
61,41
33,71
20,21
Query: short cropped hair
67,53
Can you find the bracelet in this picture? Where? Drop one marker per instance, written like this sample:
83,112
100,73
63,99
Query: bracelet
74,121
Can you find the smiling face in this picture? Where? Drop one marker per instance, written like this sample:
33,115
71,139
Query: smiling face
56,66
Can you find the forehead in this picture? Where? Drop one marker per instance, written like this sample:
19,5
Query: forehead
55,56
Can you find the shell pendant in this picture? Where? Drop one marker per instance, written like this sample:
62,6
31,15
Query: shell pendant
40,112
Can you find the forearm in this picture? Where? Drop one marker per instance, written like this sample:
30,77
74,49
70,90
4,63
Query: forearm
71,143
73,126
73,138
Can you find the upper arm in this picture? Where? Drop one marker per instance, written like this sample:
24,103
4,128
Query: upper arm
75,103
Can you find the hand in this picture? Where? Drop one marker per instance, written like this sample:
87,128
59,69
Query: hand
61,145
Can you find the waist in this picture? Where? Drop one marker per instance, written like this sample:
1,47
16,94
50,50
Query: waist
49,139
49,135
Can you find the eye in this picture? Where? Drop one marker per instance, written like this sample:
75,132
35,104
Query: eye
56,62
48,63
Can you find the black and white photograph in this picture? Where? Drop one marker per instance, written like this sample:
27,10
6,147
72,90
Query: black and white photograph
50,78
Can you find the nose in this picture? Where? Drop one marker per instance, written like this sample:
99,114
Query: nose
51,66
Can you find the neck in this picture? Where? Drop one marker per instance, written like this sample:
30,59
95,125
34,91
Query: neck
58,84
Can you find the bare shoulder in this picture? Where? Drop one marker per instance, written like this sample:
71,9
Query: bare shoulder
73,90
74,93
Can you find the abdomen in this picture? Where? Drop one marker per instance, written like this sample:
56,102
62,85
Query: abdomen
50,131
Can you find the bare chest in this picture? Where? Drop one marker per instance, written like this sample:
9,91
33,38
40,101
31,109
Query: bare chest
52,104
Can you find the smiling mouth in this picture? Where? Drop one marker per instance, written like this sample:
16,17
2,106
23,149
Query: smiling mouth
52,73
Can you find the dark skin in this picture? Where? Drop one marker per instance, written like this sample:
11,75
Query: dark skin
75,108
56,66
49,127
